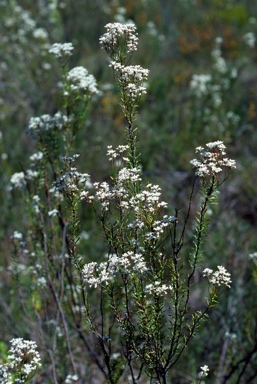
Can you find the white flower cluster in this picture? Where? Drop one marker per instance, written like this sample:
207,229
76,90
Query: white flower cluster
213,85
72,181
204,371
19,179
47,123
115,153
200,84
40,34
253,256
145,201
119,40
157,288
148,200
61,50
97,274
129,175
80,80
70,379
17,235
36,156
23,358
158,227
219,62
212,161
116,31
132,77
221,276
250,39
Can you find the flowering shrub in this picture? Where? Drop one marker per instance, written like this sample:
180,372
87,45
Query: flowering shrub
141,316
126,305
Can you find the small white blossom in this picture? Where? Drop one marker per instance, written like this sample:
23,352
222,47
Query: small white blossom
204,371
253,256
249,39
52,213
17,235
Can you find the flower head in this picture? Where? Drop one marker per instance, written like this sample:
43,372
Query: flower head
115,31
221,276
61,50
80,80
212,160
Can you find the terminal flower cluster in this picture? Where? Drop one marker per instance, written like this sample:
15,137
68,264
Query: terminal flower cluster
24,359
47,123
60,50
97,274
119,40
204,371
213,160
115,32
221,276
115,153
157,288
132,78
80,80
72,181
146,201
20,179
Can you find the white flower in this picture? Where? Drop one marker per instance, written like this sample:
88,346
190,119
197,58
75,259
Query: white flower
40,33
23,355
52,213
157,288
212,161
249,39
36,156
205,370
114,32
80,80
47,123
253,256
221,276
18,180
61,50
200,84
17,235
